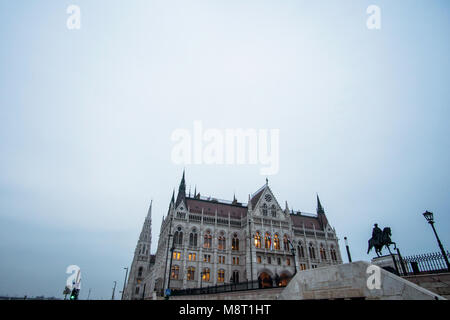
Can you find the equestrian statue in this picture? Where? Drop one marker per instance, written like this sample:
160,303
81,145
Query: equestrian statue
380,239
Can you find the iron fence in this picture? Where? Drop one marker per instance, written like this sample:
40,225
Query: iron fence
423,263
241,286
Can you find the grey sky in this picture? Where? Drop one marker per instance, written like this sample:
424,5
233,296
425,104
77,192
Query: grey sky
86,118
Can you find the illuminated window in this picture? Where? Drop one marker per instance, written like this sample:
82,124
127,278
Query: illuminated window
267,241
206,274
221,276
192,256
235,260
207,258
276,242
207,240
258,259
221,243
235,243
176,255
257,240
175,272
191,273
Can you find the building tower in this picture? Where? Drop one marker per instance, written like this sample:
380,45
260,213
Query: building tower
140,266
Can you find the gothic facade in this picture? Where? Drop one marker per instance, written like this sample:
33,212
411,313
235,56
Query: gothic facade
206,242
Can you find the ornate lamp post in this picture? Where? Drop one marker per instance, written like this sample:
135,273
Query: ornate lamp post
293,255
429,217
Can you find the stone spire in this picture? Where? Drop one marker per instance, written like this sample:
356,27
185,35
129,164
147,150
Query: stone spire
181,191
319,206
141,260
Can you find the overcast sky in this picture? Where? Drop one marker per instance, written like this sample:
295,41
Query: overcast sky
86,118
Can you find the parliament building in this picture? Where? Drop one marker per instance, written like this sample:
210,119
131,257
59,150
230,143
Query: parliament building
205,241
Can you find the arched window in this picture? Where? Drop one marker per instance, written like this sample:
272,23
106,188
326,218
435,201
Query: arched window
175,272
273,210
333,253
206,274
257,240
312,251
191,273
193,238
235,277
221,275
221,242
141,269
323,253
301,250
285,243
276,242
264,209
235,243
178,237
207,240
267,241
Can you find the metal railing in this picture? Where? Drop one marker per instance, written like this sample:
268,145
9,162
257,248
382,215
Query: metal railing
232,287
423,264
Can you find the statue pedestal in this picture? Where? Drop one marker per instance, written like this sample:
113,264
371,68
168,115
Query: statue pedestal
386,262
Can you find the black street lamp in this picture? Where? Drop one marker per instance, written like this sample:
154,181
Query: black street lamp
429,217
125,282
171,259
348,250
293,254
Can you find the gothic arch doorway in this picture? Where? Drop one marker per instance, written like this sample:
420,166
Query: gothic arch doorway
284,279
265,280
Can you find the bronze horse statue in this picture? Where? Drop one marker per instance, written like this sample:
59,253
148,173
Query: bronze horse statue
385,240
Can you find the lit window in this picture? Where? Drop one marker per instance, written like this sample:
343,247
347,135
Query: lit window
257,240
191,273
267,241
276,242
176,255
221,243
175,272
206,274
235,243
221,276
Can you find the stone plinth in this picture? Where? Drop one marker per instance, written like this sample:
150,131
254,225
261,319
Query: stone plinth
353,281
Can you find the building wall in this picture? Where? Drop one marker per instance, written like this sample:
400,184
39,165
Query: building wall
252,261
